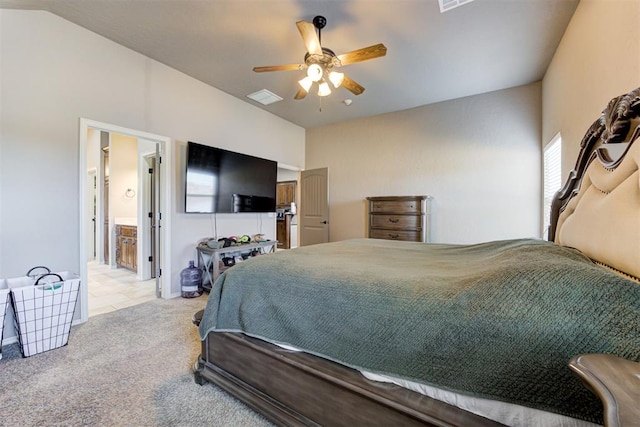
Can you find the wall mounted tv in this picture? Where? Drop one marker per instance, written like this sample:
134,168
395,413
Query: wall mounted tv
221,181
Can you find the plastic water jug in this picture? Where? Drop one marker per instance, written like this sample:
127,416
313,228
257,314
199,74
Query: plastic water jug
191,281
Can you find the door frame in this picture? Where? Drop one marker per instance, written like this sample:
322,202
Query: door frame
165,204
297,171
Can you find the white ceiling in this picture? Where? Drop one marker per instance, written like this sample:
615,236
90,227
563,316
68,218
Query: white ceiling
482,46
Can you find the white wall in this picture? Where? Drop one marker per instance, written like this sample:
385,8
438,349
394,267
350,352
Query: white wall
478,156
54,72
93,149
597,59
287,175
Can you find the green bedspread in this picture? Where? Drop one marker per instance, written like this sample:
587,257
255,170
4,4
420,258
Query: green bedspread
498,320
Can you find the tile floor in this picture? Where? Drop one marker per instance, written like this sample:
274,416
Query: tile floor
111,290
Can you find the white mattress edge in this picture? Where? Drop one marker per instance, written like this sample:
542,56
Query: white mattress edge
510,414
503,412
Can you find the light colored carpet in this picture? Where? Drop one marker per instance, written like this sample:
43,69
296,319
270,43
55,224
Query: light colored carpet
131,367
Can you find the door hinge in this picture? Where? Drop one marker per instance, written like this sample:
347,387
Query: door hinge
150,214
151,170
150,259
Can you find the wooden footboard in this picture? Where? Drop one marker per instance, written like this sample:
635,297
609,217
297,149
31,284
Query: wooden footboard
293,388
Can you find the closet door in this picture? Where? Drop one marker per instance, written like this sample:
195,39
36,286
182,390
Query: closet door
314,206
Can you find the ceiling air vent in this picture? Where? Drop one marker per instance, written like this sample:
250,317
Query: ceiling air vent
264,97
450,4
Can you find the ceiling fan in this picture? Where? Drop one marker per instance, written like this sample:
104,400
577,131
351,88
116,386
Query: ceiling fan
320,61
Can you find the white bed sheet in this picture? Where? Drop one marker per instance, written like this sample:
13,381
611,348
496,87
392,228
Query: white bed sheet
502,412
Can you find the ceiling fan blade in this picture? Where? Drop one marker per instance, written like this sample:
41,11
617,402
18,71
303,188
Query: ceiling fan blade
366,53
300,94
288,67
310,38
352,86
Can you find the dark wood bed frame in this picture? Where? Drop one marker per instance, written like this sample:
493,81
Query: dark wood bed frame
293,388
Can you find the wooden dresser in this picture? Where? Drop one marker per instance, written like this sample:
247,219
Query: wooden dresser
400,218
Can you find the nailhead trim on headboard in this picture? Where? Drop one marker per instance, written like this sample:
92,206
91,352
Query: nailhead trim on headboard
618,272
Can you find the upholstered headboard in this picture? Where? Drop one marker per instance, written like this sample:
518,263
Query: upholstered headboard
598,209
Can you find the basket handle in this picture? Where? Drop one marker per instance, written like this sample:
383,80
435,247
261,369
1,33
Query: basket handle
48,274
37,267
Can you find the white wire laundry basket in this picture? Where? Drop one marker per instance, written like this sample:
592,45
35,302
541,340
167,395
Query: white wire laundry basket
4,305
43,308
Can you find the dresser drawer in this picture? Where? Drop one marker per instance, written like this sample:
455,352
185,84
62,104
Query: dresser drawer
396,206
411,236
412,222
399,217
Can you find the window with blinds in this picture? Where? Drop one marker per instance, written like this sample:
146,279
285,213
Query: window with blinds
552,177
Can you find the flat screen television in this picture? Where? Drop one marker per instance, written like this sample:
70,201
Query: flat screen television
222,181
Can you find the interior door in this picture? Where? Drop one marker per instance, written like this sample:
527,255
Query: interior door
91,210
152,215
105,227
156,217
314,207
105,207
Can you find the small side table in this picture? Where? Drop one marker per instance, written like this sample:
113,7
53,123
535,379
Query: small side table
616,381
209,259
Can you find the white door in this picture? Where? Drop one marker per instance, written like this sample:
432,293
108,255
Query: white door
92,214
156,217
313,221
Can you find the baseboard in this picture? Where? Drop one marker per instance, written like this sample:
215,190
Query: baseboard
10,340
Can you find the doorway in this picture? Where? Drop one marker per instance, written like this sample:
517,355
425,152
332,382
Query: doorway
287,201
124,205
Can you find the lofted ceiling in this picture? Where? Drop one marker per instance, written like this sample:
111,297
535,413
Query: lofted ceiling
482,46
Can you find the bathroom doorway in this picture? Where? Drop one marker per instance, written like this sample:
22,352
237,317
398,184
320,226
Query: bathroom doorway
131,192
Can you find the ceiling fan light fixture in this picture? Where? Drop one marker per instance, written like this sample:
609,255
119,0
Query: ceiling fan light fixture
324,89
314,72
319,61
336,78
306,83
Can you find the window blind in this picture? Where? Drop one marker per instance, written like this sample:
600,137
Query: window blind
552,177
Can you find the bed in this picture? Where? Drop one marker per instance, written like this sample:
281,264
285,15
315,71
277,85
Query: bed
375,332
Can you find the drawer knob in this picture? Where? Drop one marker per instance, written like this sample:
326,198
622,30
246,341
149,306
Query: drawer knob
394,220
394,236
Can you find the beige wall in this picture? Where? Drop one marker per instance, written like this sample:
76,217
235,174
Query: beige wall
123,175
478,156
597,59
